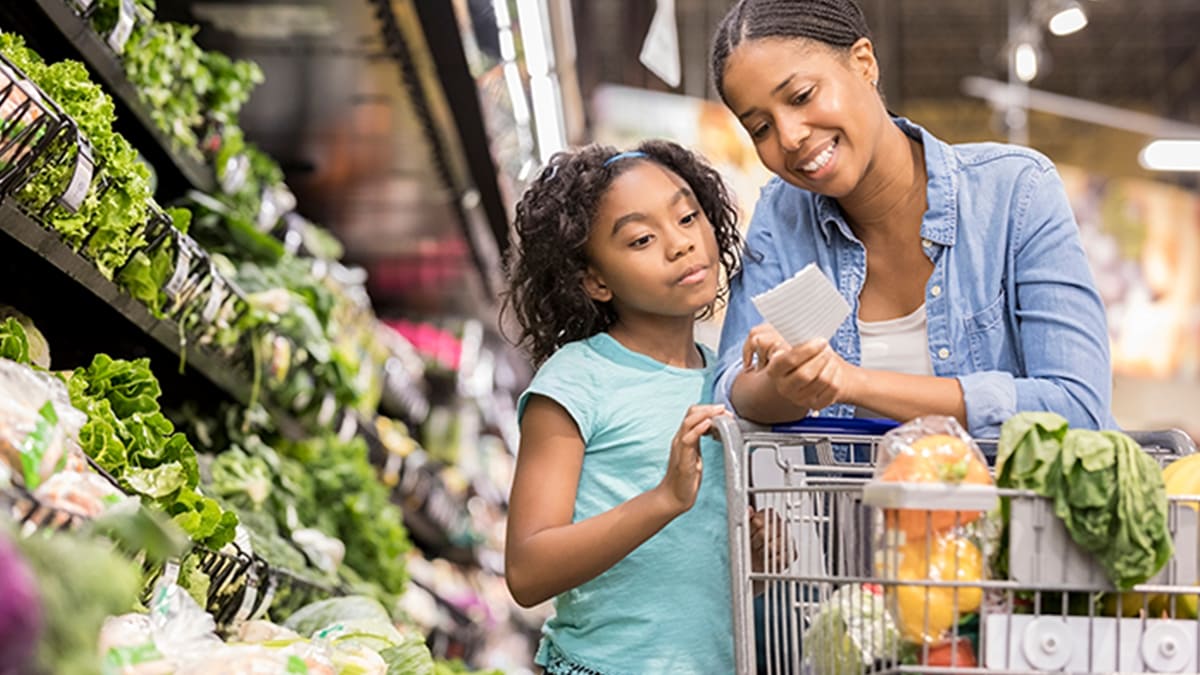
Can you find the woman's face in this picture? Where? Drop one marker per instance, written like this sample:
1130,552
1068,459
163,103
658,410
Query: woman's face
812,112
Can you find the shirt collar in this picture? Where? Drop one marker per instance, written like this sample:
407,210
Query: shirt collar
940,223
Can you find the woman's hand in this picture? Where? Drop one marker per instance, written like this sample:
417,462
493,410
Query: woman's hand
810,375
685,466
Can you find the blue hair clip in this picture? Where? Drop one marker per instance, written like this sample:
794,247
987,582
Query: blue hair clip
629,154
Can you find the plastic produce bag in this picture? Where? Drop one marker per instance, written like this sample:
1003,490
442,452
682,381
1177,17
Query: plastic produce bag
175,632
254,660
851,630
930,450
325,552
38,425
925,612
83,493
325,613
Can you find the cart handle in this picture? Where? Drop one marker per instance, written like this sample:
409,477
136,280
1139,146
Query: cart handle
859,426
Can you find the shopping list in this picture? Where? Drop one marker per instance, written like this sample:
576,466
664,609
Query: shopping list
805,307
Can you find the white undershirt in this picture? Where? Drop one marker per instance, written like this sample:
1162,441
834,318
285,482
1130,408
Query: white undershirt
897,345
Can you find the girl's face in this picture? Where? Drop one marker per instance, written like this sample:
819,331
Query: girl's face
652,250
812,112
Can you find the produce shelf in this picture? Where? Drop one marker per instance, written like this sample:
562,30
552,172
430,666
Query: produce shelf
28,232
64,34
243,585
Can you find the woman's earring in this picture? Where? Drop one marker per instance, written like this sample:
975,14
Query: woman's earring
874,83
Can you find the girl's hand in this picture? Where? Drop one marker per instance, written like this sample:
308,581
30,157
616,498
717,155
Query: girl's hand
774,555
685,466
810,375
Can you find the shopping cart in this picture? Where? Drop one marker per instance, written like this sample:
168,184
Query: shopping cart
832,603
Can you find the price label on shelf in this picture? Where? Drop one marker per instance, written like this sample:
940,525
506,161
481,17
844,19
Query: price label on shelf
348,429
328,408
183,262
120,32
30,90
235,171
170,573
268,597
217,293
249,595
81,177
275,202
293,236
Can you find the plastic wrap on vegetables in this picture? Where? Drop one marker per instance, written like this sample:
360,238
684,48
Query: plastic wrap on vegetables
929,450
38,425
83,493
175,632
252,660
852,629
926,611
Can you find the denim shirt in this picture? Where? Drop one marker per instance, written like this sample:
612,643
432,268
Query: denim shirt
1012,310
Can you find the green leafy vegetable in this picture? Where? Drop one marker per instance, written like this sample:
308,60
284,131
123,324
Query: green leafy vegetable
14,345
194,580
411,656
312,618
129,437
356,508
110,215
1107,491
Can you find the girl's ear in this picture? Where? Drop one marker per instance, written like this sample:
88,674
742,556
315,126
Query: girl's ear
594,286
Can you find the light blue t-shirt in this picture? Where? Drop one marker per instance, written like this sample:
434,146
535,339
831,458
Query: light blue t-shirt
665,607
1011,306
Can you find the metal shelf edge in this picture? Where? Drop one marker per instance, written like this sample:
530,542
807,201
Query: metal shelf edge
47,244
101,60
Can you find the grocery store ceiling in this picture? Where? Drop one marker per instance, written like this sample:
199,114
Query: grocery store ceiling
355,145
1141,55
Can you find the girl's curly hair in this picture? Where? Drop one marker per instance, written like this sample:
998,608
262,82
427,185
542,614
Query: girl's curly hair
547,263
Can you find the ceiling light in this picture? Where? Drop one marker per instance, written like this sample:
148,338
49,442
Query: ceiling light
1069,18
1171,155
1025,61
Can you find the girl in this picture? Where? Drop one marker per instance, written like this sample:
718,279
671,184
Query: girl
614,511
971,292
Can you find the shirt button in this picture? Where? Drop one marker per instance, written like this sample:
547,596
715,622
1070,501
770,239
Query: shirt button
935,291
943,353
926,243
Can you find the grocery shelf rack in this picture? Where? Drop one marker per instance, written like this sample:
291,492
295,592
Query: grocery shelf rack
56,31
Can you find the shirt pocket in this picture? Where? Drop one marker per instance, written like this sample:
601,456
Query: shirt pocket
988,337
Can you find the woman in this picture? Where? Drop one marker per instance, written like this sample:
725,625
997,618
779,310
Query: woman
962,264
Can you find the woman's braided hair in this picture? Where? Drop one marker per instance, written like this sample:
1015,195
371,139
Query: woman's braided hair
835,23
548,260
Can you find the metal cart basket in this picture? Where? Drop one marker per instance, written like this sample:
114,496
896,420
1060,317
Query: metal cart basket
839,602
